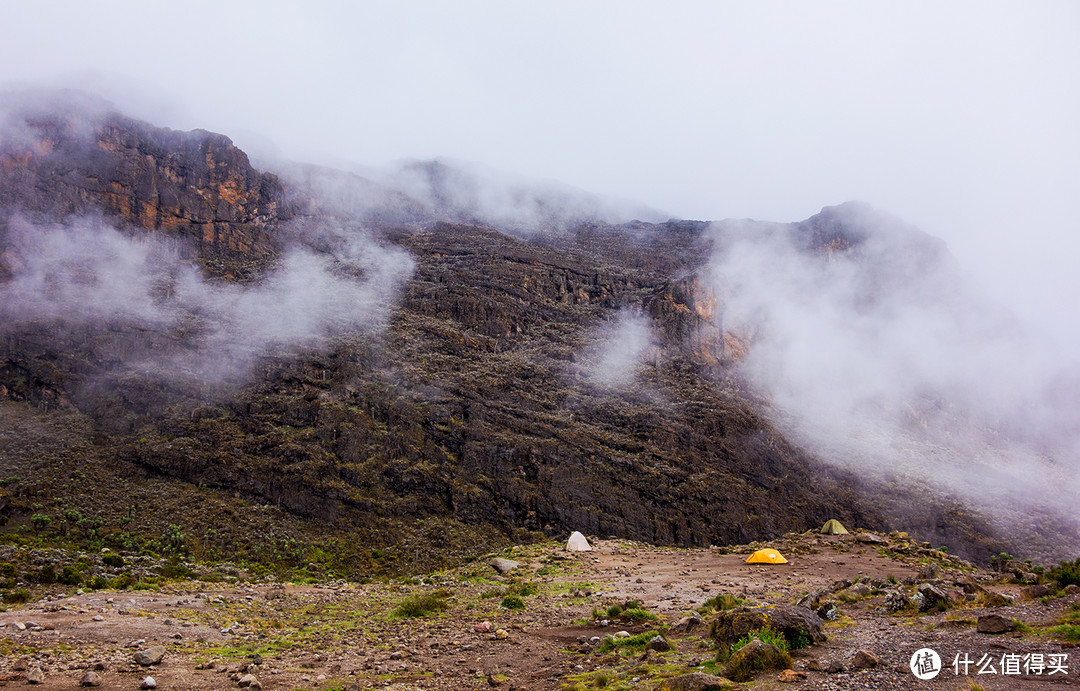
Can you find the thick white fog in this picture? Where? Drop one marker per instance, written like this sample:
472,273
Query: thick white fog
886,360
86,273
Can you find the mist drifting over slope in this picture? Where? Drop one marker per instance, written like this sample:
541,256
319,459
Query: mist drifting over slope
84,273
876,353
621,347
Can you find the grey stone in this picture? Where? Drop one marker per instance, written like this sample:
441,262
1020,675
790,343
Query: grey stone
689,623
503,565
828,611
994,623
90,679
659,644
151,656
932,596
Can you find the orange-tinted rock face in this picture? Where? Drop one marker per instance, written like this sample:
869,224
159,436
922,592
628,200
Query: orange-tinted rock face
191,184
687,310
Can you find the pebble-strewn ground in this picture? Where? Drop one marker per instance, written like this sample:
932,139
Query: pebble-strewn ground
343,635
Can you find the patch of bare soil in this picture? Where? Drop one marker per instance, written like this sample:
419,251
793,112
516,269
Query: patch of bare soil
346,635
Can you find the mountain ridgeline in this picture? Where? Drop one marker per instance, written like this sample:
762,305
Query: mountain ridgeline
273,363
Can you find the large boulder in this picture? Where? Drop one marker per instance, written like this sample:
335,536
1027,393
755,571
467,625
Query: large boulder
796,623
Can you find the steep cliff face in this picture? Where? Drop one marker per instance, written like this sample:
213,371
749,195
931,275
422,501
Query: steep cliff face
196,185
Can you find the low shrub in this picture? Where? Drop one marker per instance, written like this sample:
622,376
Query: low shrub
70,575
720,603
17,597
1067,573
422,605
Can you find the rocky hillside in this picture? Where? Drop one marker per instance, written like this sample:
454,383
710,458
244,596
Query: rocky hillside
492,385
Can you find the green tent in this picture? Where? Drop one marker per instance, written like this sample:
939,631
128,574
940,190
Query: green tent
833,527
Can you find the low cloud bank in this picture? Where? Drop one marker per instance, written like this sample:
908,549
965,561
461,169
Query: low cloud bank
877,354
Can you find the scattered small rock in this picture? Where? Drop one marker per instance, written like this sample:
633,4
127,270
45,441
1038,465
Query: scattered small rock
248,681
482,627
148,683
501,634
35,676
790,676
90,679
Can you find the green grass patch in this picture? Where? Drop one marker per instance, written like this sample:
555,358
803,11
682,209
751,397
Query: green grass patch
422,605
1066,632
639,640
1021,627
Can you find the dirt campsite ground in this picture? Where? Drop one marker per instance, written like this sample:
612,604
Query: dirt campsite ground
546,616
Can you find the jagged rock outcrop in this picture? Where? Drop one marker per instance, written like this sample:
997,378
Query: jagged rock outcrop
195,185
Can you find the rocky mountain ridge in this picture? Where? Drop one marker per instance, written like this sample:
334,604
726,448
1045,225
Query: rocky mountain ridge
477,408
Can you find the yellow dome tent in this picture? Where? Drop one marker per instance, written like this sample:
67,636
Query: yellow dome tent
833,527
766,556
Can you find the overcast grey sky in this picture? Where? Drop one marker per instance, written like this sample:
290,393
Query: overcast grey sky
960,117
